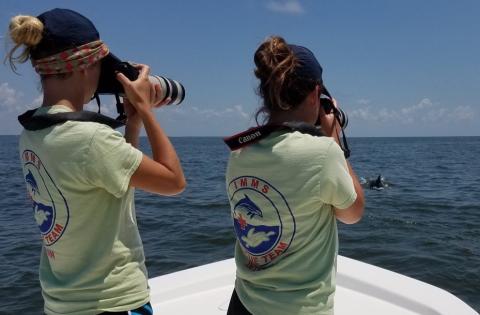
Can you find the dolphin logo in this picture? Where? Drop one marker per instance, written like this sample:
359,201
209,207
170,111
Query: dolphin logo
32,182
250,207
44,216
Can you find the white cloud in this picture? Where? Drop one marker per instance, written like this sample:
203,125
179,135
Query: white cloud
462,113
363,101
202,120
11,100
239,109
107,106
8,96
424,104
37,101
285,6
202,113
423,112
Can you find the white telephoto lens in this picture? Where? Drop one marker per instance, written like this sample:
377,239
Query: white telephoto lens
155,79
170,89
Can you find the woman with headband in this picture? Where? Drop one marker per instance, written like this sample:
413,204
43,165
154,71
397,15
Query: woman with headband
287,189
81,175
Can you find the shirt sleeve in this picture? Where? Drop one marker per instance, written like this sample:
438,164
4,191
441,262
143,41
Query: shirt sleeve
111,161
336,184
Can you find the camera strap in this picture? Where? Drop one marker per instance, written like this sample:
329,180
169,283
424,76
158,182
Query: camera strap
344,145
33,122
256,134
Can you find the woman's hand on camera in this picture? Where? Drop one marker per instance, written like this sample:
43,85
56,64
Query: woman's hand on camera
157,97
141,93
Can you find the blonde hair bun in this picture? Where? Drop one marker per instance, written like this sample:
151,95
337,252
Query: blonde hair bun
26,30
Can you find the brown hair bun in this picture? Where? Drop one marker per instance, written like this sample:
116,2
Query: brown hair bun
280,86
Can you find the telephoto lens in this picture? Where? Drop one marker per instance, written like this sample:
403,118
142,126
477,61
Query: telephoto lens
170,89
108,84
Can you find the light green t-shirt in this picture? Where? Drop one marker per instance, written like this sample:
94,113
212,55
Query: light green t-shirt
78,175
281,192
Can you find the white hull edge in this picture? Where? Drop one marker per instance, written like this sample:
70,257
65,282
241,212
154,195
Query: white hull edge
361,289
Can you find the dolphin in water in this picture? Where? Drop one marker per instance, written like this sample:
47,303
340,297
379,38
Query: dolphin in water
249,206
377,183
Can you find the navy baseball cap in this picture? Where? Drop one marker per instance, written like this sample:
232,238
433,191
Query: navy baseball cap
308,66
63,29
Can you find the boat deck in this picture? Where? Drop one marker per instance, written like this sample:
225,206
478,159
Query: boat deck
361,289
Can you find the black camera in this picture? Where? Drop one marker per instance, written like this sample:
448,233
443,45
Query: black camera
328,107
108,83
326,101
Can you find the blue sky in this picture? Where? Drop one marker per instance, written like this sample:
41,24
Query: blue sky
398,68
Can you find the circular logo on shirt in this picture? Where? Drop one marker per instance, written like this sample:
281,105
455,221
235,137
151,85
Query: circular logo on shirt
262,219
50,209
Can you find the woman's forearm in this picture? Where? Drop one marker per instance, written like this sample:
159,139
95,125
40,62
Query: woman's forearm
163,151
132,132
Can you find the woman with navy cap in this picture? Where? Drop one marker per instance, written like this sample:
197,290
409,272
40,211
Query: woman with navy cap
81,175
287,187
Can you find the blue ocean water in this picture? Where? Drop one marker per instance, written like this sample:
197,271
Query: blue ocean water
425,225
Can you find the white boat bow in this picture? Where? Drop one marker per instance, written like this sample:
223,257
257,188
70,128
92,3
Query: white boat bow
361,289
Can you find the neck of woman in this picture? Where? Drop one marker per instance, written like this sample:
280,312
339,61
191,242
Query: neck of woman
63,91
297,114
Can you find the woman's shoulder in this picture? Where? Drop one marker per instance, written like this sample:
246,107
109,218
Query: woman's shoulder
285,145
87,130
101,137
306,142
295,146
81,136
